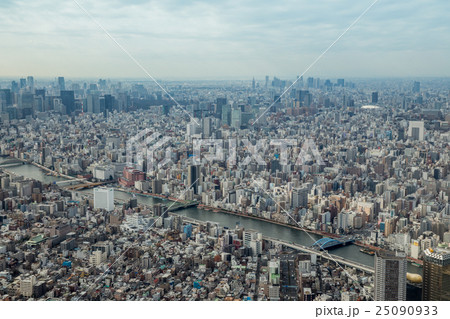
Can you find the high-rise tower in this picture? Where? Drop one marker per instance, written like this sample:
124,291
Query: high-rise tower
436,275
390,276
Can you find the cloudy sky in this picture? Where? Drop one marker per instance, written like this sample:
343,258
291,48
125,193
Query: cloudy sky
224,38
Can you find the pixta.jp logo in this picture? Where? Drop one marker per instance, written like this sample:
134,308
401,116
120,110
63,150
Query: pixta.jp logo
150,151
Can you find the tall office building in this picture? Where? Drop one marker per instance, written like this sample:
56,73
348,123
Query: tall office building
400,134
226,114
14,87
26,104
374,97
156,186
390,276
30,83
304,97
253,240
220,103
5,97
416,130
93,103
104,198
236,118
248,235
436,275
68,100
40,92
193,177
300,197
23,83
416,87
109,102
207,127
61,83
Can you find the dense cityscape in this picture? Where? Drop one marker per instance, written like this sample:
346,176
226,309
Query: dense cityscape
266,189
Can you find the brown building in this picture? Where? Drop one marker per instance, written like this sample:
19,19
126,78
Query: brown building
436,275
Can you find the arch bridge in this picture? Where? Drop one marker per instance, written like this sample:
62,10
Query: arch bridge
330,243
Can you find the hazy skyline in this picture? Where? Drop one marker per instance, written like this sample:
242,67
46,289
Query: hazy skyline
213,39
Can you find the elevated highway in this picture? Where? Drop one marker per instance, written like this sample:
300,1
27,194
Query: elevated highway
324,254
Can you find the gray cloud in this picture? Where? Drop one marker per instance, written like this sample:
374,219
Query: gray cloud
224,38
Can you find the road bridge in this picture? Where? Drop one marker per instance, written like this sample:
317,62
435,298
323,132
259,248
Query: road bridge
12,161
69,183
324,254
330,243
86,184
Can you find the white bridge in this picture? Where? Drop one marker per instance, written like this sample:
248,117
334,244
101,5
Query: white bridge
70,182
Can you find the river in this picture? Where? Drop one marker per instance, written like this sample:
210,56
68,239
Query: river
350,252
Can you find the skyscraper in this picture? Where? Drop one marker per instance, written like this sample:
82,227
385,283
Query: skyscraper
156,186
300,197
40,92
93,103
416,87
23,83
193,176
220,104
104,198
5,96
61,83
436,275
226,114
26,104
14,87
236,115
304,97
68,99
206,127
30,83
374,97
109,102
390,276
416,130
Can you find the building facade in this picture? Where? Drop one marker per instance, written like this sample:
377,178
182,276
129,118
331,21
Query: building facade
390,276
436,275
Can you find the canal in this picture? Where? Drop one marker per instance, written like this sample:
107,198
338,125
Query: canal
350,252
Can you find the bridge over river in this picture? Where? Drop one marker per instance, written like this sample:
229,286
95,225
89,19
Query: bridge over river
11,163
330,243
322,253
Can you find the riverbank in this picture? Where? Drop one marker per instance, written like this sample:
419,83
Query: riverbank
229,219
316,232
262,219
375,248
54,173
226,211
159,196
